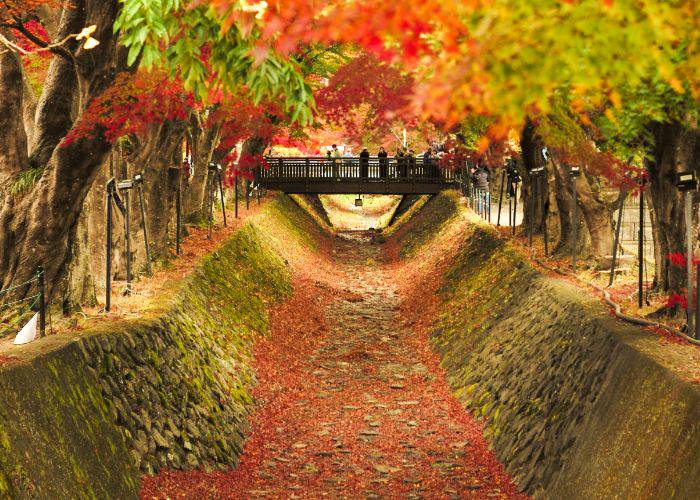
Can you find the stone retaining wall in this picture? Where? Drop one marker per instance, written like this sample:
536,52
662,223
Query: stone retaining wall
569,401
84,415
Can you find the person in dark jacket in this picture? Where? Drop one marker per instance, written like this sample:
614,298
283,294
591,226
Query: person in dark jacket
428,163
480,178
411,162
401,162
383,162
364,163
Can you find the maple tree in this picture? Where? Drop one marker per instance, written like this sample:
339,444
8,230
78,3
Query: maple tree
234,71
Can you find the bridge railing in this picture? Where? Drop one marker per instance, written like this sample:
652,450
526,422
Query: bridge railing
354,168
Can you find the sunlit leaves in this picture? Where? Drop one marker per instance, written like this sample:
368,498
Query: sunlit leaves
173,34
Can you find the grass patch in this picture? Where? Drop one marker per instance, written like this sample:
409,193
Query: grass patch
26,180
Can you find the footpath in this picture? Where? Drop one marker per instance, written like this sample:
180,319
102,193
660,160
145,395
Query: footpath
351,404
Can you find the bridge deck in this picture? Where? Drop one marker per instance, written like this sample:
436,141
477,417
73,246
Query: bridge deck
353,176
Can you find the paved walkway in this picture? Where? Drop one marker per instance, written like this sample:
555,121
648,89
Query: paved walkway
363,411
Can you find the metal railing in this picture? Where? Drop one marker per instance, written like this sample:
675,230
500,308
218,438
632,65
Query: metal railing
344,168
19,300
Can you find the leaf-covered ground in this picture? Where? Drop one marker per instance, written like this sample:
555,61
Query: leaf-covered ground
350,403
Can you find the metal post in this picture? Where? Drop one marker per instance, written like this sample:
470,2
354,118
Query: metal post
108,250
487,202
544,215
127,235
616,243
178,212
689,253
641,246
145,230
221,192
574,217
42,301
235,195
515,208
210,199
533,190
697,304
510,203
500,197
259,183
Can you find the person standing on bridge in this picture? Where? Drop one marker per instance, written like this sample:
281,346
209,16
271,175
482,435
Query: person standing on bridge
401,162
428,163
383,161
335,153
364,164
411,160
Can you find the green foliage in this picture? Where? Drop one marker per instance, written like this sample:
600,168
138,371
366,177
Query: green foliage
193,44
26,180
626,130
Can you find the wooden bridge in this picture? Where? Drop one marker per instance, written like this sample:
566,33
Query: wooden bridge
323,175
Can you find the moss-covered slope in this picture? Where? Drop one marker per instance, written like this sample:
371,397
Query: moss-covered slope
170,389
572,407
421,221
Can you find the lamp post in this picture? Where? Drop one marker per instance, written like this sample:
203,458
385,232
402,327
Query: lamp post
687,183
640,245
515,179
125,187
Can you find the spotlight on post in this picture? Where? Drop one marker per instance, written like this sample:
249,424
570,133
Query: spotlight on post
687,183
125,186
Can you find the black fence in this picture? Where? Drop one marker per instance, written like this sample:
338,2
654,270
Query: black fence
393,175
323,168
19,302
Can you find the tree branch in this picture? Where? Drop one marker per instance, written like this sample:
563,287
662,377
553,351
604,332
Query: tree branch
53,48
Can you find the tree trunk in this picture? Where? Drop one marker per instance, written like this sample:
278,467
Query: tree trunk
55,110
597,213
13,142
203,142
565,202
160,184
676,148
531,145
37,228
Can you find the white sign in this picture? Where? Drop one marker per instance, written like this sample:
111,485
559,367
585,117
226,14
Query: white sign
28,333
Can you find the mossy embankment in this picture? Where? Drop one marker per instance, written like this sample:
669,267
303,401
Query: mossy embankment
571,400
84,415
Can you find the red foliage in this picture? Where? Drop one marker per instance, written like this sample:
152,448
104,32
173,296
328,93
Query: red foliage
493,155
618,173
381,93
677,259
18,8
131,105
290,22
38,30
677,299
